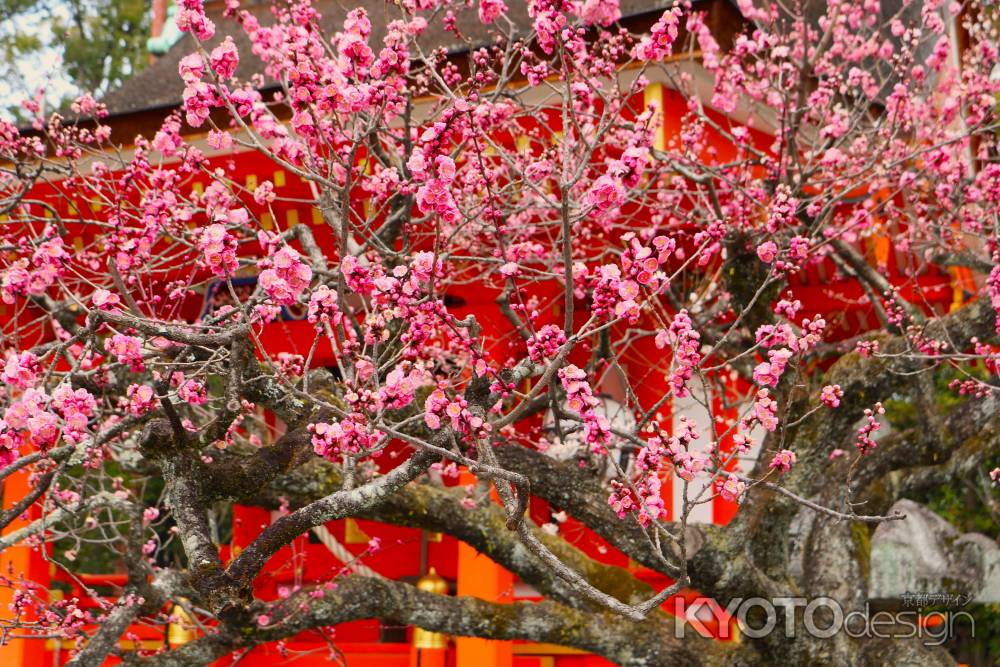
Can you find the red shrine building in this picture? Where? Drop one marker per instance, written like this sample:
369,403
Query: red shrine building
433,561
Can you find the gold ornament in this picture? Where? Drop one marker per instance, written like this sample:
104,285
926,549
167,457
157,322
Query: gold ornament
182,630
432,582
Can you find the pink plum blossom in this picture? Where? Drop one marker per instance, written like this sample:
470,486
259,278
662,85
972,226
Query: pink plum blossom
287,276
224,58
783,461
767,251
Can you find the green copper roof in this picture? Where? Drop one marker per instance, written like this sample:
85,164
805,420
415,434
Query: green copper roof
168,37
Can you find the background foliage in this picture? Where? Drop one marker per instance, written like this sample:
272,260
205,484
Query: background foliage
69,46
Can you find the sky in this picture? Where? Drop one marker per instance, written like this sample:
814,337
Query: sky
43,69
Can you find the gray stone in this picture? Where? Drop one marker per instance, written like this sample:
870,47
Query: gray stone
923,553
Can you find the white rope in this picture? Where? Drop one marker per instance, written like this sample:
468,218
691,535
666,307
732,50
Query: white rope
341,553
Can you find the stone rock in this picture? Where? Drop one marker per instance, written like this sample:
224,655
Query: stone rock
923,553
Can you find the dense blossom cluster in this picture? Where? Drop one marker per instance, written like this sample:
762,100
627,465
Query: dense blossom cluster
831,395
10,443
677,450
453,411
349,436
191,18
732,488
218,248
660,451
21,370
31,277
659,43
141,398
686,344
546,342
581,400
763,412
483,252
192,392
617,291
285,276
225,59
127,350
323,309
767,373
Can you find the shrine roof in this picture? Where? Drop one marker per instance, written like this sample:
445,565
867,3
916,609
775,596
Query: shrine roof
159,87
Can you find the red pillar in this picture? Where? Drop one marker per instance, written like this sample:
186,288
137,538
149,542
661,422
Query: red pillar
480,577
21,561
